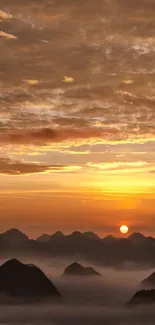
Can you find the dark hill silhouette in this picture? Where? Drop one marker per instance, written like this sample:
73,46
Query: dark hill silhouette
20,280
47,238
87,246
149,282
59,235
44,238
75,269
136,237
90,235
109,239
142,297
13,237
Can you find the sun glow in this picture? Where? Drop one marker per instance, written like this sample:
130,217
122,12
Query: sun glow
124,229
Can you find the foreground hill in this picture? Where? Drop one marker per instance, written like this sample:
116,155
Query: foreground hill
149,282
20,280
143,297
75,269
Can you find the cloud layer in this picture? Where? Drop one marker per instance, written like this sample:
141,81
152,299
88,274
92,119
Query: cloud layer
105,59
77,92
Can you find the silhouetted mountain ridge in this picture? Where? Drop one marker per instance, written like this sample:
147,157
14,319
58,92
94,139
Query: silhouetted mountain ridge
86,246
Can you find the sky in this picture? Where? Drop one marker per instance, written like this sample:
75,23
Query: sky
77,116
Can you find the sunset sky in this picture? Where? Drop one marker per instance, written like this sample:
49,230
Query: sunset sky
77,115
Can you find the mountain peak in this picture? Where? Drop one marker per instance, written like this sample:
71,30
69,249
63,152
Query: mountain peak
58,234
44,238
90,235
25,281
136,237
14,231
143,297
109,239
14,237
76,233
76,269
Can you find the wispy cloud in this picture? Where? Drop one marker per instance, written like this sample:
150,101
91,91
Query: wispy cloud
32,82
68,79
17,168
7,35
5,15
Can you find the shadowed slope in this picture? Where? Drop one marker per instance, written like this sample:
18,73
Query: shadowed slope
142,297
149,282
21,280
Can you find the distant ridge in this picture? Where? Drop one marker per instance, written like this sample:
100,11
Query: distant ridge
13,237
109,239
136,249
136,237
59,235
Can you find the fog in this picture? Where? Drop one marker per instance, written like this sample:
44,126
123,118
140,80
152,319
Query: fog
95,300
80,315
114,288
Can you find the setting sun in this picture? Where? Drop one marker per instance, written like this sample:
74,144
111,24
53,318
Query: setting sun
124,229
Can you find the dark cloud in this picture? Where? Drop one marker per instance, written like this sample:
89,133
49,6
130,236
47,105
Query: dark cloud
9,167
45,136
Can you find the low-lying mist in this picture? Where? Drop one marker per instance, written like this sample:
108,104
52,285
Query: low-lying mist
87,300
77,315
114,287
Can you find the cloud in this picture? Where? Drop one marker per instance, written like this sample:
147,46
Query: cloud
118,165
67,79
88,75
47,135
17,168
5,15
7,35
32,82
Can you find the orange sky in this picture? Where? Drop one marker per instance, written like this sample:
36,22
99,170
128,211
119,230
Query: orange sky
77,117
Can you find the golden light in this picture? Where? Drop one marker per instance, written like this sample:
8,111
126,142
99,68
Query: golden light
124,229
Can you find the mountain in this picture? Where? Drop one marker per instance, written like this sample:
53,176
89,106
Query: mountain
20,280
59,235
87,246
142,297
13,237
47,238
149,282
137,238
90,235
75,269
44,238
109,239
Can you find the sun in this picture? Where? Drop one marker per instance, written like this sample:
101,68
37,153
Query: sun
124,229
